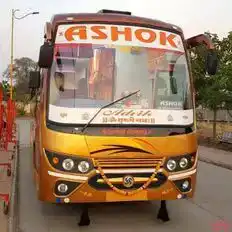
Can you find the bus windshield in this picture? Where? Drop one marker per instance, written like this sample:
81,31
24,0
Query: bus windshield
87,76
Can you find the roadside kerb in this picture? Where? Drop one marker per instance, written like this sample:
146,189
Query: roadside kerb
13,210
12,221
216,163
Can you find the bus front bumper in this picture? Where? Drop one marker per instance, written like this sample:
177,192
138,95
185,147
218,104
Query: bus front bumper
67,188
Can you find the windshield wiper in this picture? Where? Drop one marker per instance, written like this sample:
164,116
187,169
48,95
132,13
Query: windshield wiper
105,106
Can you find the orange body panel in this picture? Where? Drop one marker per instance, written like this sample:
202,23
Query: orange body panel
82,146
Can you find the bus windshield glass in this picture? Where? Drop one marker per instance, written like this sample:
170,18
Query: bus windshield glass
88,73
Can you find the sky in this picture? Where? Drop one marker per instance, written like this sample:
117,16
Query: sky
193,16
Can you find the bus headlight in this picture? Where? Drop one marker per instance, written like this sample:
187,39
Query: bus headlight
180,163
68,164
171,165
83,166
183,162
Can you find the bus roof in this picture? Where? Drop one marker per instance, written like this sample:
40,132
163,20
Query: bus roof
111,18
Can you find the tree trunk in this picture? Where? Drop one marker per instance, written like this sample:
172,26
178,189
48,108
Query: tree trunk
214,123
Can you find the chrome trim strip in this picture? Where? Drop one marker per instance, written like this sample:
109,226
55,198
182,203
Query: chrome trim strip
67,176
182,175
122,171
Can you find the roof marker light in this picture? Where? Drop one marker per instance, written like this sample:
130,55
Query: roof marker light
105,11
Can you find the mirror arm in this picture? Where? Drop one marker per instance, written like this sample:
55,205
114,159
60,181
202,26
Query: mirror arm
198,40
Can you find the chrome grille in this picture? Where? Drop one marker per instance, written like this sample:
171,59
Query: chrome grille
128,162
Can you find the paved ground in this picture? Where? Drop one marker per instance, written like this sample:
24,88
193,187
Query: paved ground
213,202
5,181
5,186
24,125
4,189
209,205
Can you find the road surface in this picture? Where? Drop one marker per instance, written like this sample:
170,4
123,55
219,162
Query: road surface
213,202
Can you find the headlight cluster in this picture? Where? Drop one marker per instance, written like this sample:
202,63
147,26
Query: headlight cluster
180,163
69,164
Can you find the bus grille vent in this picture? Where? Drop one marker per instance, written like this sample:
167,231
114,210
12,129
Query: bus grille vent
128,162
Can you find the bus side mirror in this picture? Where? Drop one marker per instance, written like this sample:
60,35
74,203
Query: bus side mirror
211,62
211,59
34,81
46,55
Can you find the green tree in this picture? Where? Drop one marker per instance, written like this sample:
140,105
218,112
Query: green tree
21,73
214,92
227,71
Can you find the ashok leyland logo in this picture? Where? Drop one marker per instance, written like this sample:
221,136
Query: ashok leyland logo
128,181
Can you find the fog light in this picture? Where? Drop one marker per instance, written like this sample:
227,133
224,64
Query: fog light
183,163
83,166
62,188
185,185
171,165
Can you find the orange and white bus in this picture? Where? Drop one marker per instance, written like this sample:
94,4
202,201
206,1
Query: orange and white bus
115,114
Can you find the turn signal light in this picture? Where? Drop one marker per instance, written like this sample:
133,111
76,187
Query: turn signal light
55,160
